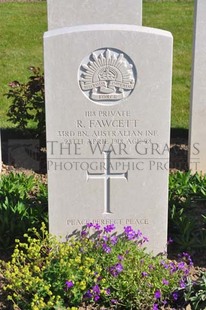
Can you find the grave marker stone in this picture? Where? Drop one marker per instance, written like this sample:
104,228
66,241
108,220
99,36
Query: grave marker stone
197,139
67,13
108,122
24,153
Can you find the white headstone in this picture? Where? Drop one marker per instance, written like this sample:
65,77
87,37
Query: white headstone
197,139
108,95
67,13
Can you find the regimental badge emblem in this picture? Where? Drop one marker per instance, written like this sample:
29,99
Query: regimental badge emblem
107,76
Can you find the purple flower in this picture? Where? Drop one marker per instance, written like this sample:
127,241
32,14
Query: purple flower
120,257
173,267
169,241
157,294
165,282
69,284
166,266
155,307
108,291
186,272
106,248
181,266
127,229
139,234
116,269
113,240
145,239
96,292
182,283
119,267
109,228
105,238
114,301
187,258
96,289
144,274
83,233
129,232
131,235
97,226
89,225
175,295
88,294
99,279
96,298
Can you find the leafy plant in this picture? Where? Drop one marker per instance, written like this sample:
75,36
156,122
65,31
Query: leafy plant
187,198
28,102
95,267
196,292
23,204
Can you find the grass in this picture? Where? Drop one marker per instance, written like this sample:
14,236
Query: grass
176,17
21,32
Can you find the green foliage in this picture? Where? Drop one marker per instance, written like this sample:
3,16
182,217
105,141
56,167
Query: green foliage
95,267
28,102
23,24
23,204
196,293
98,267
187,213
21,32
173,16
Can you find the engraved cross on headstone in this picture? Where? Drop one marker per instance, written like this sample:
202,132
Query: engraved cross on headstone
106,177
